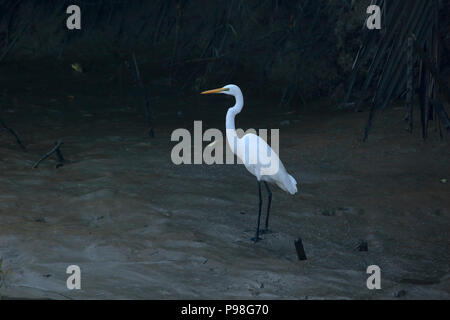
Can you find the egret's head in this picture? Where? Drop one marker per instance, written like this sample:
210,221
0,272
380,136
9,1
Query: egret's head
230,89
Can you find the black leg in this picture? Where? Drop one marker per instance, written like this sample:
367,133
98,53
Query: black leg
256,238
266,229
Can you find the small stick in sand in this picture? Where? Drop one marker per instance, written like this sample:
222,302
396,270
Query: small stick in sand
363,246
300,250
56,149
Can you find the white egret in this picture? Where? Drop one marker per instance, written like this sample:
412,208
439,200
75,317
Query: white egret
257,156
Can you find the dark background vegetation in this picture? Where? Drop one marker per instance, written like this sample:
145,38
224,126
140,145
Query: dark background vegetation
297,49
294,51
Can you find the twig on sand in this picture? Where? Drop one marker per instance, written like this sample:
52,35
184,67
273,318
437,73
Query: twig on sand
55,149
148,114
300,249
14,133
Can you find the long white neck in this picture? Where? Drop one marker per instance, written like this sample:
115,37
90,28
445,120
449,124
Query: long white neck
229,123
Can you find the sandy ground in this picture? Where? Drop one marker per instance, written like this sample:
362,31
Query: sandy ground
141,227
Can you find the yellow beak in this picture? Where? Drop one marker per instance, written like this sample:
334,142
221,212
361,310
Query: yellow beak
215,90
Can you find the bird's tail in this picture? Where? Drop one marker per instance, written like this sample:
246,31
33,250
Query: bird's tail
289,184
292,185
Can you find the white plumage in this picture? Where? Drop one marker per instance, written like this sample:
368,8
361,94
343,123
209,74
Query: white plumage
257,156
261,161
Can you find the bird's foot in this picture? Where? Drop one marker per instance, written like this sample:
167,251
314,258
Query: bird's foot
256,239
266,231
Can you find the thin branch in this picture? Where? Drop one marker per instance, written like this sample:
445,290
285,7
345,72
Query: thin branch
442,114
14,133
148,114
431,67
56,150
